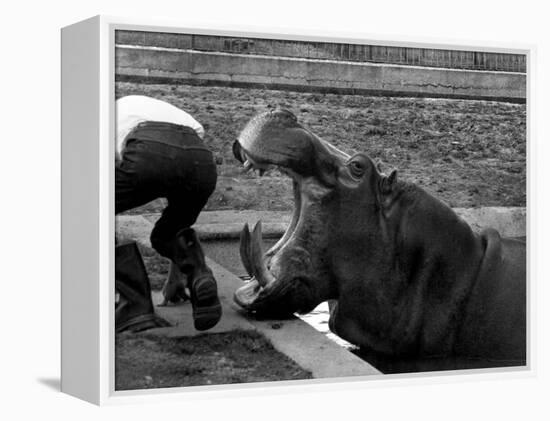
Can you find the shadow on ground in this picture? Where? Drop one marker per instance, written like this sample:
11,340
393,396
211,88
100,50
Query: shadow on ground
53,383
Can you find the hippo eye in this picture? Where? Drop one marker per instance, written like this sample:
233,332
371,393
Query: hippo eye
356,168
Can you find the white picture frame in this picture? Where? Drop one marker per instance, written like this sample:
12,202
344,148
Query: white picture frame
88,130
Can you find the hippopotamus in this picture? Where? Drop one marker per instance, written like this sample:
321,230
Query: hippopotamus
406,277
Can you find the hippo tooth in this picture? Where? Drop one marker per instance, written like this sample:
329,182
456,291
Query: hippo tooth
262,275
252,251
247,165
245,249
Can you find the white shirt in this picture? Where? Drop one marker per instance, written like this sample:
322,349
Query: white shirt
134,109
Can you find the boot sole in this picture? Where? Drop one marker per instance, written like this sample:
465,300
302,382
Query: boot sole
207,309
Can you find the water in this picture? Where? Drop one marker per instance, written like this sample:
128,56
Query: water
318,319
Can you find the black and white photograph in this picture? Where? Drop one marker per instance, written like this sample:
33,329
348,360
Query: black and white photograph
300,209
291,210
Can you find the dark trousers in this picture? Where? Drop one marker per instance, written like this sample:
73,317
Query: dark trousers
169,161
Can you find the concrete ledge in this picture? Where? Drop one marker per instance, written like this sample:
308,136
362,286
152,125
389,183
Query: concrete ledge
227,225
232,230
318,75
508,221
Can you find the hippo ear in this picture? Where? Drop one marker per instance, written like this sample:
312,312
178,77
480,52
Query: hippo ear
388,183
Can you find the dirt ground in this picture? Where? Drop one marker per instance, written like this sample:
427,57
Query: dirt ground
146,361
467,153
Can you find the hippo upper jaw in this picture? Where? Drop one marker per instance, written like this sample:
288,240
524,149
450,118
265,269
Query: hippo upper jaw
276,139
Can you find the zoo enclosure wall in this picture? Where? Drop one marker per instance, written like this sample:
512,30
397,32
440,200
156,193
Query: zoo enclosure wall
429,57
320,66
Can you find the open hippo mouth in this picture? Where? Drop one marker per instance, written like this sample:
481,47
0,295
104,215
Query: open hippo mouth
294,275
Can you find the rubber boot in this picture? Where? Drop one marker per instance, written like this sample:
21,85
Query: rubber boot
189,257
134,311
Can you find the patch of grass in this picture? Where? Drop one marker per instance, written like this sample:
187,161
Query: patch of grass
145,361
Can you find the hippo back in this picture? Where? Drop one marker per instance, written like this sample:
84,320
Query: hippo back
494,325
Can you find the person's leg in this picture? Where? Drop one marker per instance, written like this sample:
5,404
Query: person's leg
207,309
174,238
186,198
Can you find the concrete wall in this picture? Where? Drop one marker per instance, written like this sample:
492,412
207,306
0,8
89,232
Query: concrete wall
315,75
430,57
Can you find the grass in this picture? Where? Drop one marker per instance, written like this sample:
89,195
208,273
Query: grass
145,361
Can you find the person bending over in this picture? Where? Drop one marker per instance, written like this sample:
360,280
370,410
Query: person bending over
160,154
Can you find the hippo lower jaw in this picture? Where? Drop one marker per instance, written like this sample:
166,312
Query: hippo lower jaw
276,300
270,294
